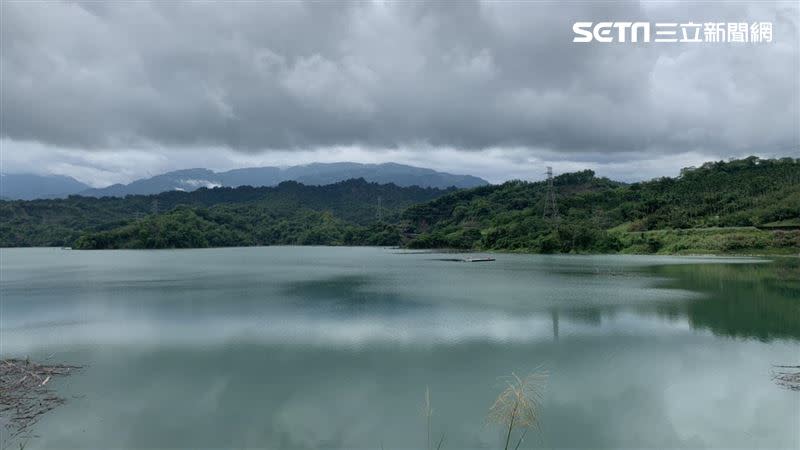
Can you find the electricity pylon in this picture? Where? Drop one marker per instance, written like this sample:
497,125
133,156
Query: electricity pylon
550,208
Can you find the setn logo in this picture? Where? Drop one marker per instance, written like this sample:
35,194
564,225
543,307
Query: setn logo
712,32
605,31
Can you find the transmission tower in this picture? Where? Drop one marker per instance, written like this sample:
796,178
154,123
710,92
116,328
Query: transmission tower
550,208
379,212
154,206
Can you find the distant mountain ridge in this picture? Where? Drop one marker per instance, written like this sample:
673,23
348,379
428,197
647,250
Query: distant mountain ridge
28,186
316,174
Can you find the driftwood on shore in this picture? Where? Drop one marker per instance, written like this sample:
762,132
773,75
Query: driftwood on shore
787,376
25,394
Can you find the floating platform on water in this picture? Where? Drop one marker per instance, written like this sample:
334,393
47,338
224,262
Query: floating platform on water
468,259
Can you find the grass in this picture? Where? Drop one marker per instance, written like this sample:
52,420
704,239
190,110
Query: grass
516,409
722,241
783,223
427,412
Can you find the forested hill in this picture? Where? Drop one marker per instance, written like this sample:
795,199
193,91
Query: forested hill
60,222
741,206
668,215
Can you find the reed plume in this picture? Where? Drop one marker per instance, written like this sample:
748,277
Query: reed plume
517,407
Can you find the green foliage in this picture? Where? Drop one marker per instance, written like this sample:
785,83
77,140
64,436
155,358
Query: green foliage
712,240
599,215
742,206
290,213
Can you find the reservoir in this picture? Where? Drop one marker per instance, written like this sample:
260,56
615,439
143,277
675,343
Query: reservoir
335,347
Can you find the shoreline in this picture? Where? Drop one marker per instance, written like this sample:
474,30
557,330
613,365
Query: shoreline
407,250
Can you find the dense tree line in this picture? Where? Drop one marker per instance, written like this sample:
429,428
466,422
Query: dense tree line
241,225
712,208
600,215
61,222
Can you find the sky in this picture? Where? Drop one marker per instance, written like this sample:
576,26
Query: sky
109,92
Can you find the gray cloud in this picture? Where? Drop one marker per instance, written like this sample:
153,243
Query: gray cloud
256,76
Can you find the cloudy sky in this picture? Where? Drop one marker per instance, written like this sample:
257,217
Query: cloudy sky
112,91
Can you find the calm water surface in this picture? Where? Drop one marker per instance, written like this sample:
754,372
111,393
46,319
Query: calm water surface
287,347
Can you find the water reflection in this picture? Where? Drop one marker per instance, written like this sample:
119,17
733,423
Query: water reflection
744,301
609,393
348,294
333,348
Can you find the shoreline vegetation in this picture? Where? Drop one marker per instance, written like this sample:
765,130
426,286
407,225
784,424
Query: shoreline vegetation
739,207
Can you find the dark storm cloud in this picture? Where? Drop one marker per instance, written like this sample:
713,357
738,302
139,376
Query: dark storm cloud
252,76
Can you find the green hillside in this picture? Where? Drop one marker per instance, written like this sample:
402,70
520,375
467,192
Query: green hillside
600,215
224,216
741,206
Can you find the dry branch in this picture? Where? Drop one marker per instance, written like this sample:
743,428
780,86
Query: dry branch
790,379
24,396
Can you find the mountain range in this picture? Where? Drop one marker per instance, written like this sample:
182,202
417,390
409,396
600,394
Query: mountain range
27,186
24,186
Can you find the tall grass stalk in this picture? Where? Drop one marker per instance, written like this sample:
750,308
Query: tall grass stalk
427,411
517,406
